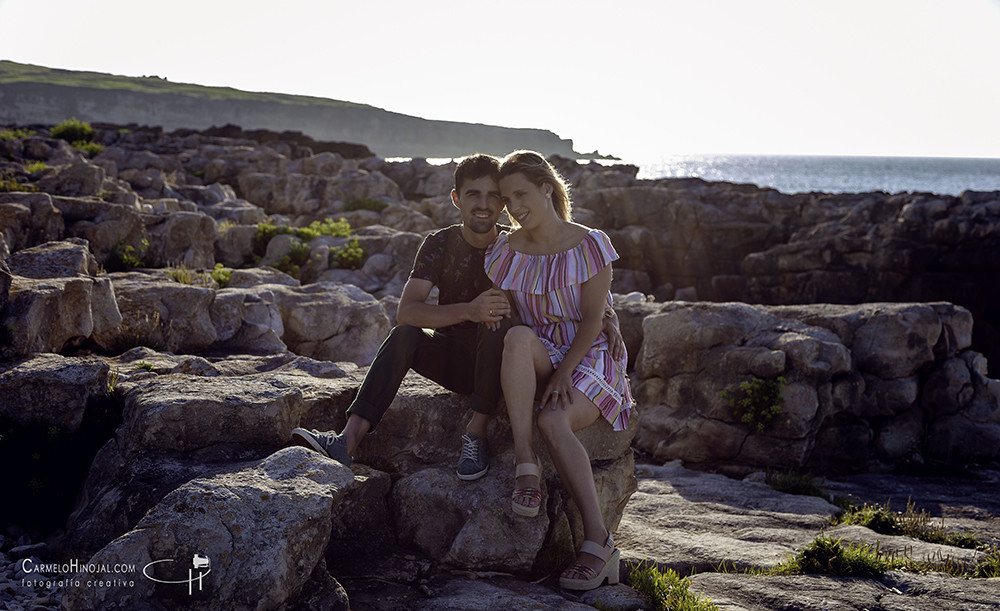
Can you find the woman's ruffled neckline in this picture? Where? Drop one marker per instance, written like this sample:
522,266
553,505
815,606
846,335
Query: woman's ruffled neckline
510,269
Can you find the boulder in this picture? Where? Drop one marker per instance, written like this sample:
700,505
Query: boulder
405,218
308,197
65,259
158,312
108,227
331,322
419,179
181,238
28,219
245,278
78,179
846,367
238,211
51,388
55,314
183,420
234,244
419,439
260,530
247,319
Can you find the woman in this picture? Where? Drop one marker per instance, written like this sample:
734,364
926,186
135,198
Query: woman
557,273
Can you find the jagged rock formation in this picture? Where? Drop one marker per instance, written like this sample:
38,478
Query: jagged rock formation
867,386
740,243
178,395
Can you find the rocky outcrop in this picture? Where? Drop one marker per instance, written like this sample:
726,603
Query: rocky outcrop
867,386
741,243
744,525
175,384
136,505
256,561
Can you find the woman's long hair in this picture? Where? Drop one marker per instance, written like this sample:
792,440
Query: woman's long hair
539,171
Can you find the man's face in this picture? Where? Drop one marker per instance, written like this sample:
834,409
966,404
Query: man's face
479,204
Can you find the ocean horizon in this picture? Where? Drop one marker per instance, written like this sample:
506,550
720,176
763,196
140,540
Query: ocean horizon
833,174
821,173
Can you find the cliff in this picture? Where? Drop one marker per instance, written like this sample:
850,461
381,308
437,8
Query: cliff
38,95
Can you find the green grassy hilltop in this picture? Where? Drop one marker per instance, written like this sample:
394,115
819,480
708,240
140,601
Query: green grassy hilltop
12,72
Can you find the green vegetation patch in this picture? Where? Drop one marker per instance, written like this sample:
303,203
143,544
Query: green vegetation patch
15,134
12,72
667,590
292,263
829,556
221,275
9,184
73,130
88,148
125,256
348,256
914,523
329,227
756,401
218,276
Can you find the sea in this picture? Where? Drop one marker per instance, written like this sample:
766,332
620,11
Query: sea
804,174
827,174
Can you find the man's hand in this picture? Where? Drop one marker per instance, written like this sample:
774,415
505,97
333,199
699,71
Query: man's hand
489,308
616,344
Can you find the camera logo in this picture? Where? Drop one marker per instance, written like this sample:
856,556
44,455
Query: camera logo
199,563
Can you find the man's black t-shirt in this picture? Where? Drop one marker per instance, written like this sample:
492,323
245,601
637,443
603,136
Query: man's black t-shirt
453,265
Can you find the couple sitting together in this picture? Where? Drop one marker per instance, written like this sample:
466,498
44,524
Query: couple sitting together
526,312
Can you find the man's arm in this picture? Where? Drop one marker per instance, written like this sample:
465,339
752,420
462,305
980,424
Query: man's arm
489,307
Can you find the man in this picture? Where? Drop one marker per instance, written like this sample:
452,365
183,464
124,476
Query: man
457,342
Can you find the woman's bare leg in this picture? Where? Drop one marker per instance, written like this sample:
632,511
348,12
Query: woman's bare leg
525,361
557,427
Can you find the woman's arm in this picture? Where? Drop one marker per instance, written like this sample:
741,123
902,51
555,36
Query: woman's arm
593,299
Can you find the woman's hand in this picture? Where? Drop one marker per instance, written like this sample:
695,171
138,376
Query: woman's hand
559,390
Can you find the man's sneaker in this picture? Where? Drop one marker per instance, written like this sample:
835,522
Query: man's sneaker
328,444
475,460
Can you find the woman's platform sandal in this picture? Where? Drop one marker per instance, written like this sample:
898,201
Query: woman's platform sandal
526,501
581,577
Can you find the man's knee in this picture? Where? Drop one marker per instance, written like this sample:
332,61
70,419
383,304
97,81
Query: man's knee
404,335
488,339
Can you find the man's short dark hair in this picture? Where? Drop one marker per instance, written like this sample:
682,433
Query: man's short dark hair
476,166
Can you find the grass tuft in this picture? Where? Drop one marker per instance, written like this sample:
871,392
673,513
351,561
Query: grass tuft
829,556
667,590
15,134
911,523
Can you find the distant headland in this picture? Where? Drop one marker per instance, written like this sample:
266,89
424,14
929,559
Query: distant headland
38,95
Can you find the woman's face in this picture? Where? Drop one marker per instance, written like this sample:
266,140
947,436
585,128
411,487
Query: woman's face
526,203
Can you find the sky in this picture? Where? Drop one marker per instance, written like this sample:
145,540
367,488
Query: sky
638,79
